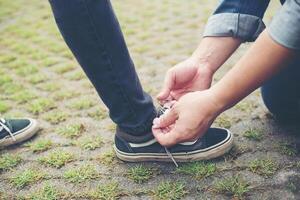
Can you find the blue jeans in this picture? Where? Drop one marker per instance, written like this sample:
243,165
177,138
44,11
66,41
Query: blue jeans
281,94
92,32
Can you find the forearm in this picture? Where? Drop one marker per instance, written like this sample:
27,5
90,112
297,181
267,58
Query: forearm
212,52
264,59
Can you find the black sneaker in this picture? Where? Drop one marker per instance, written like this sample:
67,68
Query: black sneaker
13,131
215,143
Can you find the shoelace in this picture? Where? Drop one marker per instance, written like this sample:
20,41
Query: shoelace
162,110
3,126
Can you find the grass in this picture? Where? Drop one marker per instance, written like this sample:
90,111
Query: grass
90,143
24,96
56,158
78,175
37,78
40,105
63,68
198,170
26,177
56,117
76,76
98,114
286,148
223,121
4,107
11,88
5,79
233,186
253,134
108,157
82,104
62,95
27,70
40,145
168,190
8,161
140,173
71,131
264,167
108,191
50,87
47,192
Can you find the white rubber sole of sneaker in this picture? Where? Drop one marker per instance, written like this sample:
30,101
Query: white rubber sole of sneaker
214,151
24,134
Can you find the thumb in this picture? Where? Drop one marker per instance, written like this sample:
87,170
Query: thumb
167,119
168,85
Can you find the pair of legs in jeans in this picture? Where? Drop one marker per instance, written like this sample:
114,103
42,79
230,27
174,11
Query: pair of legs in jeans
92,32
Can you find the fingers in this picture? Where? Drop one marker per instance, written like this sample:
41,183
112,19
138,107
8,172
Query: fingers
168,85
168,118
167,139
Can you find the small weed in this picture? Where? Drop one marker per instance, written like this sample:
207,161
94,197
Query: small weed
4,79
23,96
57,158
264,167
40,145
8,161
90,143
198,170
82,104
109,191
11,88
40,105
27,70
98,114
71,131
56,117
170,190
108,157
78,75
81,174
287,148
223,121
140,173
47,192
26,177
62,95
50,87
233,186
63,68
37,78
3,107
253,134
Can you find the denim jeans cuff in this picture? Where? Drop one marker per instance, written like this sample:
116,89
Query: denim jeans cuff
243,26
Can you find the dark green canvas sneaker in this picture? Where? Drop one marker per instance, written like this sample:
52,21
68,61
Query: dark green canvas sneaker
216,142
13,131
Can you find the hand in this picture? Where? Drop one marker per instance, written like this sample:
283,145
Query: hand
187,76
187,120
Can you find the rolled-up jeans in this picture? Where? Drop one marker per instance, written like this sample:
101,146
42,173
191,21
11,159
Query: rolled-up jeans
92,32
281,94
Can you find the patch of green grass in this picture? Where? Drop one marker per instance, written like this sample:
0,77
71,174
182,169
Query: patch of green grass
98,114
233,186
198,170
3,107
50,61
8,161
78,75
47,192
286,148
40,145
90,143
19,63
109,191
23,96
37,78
28,70
81,174
170,190
63,68
108,157
56,117
10,88
71,131
7,58
140,173
245,106
40,105
5,79
253,134
81,104
50,87
57,158
223,121
62,95
26,177
264,167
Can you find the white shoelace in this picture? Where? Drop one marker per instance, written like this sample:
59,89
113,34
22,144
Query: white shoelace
163,110
3,126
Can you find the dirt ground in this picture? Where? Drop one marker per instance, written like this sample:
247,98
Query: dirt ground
72,157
